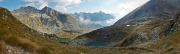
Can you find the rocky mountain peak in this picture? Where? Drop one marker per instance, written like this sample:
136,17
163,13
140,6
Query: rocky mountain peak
49,11
46,9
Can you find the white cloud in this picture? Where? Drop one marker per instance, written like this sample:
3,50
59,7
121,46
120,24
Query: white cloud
60,4
43,5
122,9
31,4
1,0
85,21
89,21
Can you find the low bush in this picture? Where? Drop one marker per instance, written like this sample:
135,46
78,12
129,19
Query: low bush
43,50
1,48
24,44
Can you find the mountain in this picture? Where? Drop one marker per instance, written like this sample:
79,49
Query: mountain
145,24
152,9
171,41
160,35
17,38
51,21
96,17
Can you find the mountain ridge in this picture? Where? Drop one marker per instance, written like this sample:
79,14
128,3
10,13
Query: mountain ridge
153,8
51,21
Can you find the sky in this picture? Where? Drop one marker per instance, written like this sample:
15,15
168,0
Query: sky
118,8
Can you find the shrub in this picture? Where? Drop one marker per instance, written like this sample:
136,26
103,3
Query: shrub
2,33
43,50
13,41
29,47
24,44
1,48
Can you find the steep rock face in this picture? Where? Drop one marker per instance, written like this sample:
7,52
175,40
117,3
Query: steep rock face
51,21
152,9
174,25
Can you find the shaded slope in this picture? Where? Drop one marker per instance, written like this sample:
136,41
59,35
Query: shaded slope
152,9
124,35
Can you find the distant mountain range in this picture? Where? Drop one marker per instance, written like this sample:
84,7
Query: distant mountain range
96,16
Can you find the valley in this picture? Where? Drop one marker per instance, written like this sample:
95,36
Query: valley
152,28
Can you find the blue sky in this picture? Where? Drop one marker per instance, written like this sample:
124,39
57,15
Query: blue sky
118,8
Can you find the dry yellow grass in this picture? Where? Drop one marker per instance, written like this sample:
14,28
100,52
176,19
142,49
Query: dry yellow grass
1,47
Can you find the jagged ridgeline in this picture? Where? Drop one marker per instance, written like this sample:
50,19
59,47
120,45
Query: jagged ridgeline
51,21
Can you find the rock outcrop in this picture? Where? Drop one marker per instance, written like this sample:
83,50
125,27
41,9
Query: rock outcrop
174,25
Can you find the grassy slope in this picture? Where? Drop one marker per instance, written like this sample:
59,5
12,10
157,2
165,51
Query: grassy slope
168,45
147,28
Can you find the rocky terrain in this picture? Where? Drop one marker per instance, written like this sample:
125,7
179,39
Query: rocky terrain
51,21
